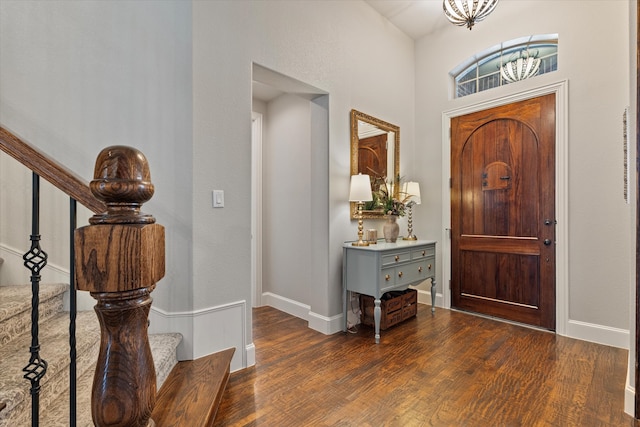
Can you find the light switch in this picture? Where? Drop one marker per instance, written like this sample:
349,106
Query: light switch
218,198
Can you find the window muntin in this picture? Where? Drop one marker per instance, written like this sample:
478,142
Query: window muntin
482,71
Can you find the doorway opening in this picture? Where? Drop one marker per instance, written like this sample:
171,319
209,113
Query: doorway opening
290,167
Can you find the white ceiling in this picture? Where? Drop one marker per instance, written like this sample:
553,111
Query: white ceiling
416,18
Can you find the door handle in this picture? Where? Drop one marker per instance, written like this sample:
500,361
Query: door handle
546,242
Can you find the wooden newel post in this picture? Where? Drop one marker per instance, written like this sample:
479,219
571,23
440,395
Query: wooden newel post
119,259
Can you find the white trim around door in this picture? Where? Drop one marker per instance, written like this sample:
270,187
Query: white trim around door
256,209
562,230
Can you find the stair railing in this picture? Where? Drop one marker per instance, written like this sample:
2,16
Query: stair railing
118,258
36,258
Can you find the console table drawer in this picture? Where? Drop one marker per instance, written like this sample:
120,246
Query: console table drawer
387,277
412,272
406,274
431,266
395,258
424,252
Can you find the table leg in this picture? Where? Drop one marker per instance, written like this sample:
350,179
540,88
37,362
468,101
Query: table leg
433,295
345,292
377,314
345,297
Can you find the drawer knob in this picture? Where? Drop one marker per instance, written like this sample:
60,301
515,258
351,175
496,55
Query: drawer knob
397,258
420,269
387,277
429,266
423,253
400,274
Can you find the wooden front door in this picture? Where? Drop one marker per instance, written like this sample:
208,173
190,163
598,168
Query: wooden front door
503,212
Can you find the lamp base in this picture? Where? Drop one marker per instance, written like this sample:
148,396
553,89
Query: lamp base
411,237
360,243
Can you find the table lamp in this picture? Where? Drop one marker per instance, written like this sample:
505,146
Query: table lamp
412,193
360,192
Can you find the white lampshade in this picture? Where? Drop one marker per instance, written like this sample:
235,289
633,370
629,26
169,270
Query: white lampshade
412,190
360,190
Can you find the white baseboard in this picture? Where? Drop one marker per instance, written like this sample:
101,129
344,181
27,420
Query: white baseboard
207,331
15,273
317,322
629,400
251,355
325,325
161,321
629,391
287,305
320,323
424,297
591,332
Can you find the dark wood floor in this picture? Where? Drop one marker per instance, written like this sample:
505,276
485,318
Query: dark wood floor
451,369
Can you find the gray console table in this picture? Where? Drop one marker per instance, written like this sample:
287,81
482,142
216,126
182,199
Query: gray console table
375,269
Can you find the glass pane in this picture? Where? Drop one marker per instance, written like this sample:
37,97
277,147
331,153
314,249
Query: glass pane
488,82
485,73
468,74
489,65
548,64
466,88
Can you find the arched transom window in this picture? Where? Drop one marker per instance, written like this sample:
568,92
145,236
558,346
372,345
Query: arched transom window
506,63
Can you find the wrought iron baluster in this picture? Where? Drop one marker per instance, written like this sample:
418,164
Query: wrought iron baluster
35,260
72,316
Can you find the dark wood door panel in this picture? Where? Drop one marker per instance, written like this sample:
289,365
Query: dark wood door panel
503,212
501,180
500,309
502,277
523,246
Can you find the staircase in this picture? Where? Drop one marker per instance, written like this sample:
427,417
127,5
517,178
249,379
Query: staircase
15,339
119,258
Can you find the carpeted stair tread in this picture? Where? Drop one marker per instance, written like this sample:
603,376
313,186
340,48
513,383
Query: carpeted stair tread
15,341
163,348
15,307
54,349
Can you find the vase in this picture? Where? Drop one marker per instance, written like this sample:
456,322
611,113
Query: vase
391,229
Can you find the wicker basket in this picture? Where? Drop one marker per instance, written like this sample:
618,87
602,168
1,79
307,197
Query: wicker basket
395,306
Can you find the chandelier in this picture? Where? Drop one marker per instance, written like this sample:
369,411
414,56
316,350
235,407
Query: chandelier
524,66
468,12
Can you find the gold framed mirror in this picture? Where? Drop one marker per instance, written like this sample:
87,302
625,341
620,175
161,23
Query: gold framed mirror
375,151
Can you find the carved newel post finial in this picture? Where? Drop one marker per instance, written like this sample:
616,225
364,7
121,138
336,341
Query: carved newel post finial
119,259
123,181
